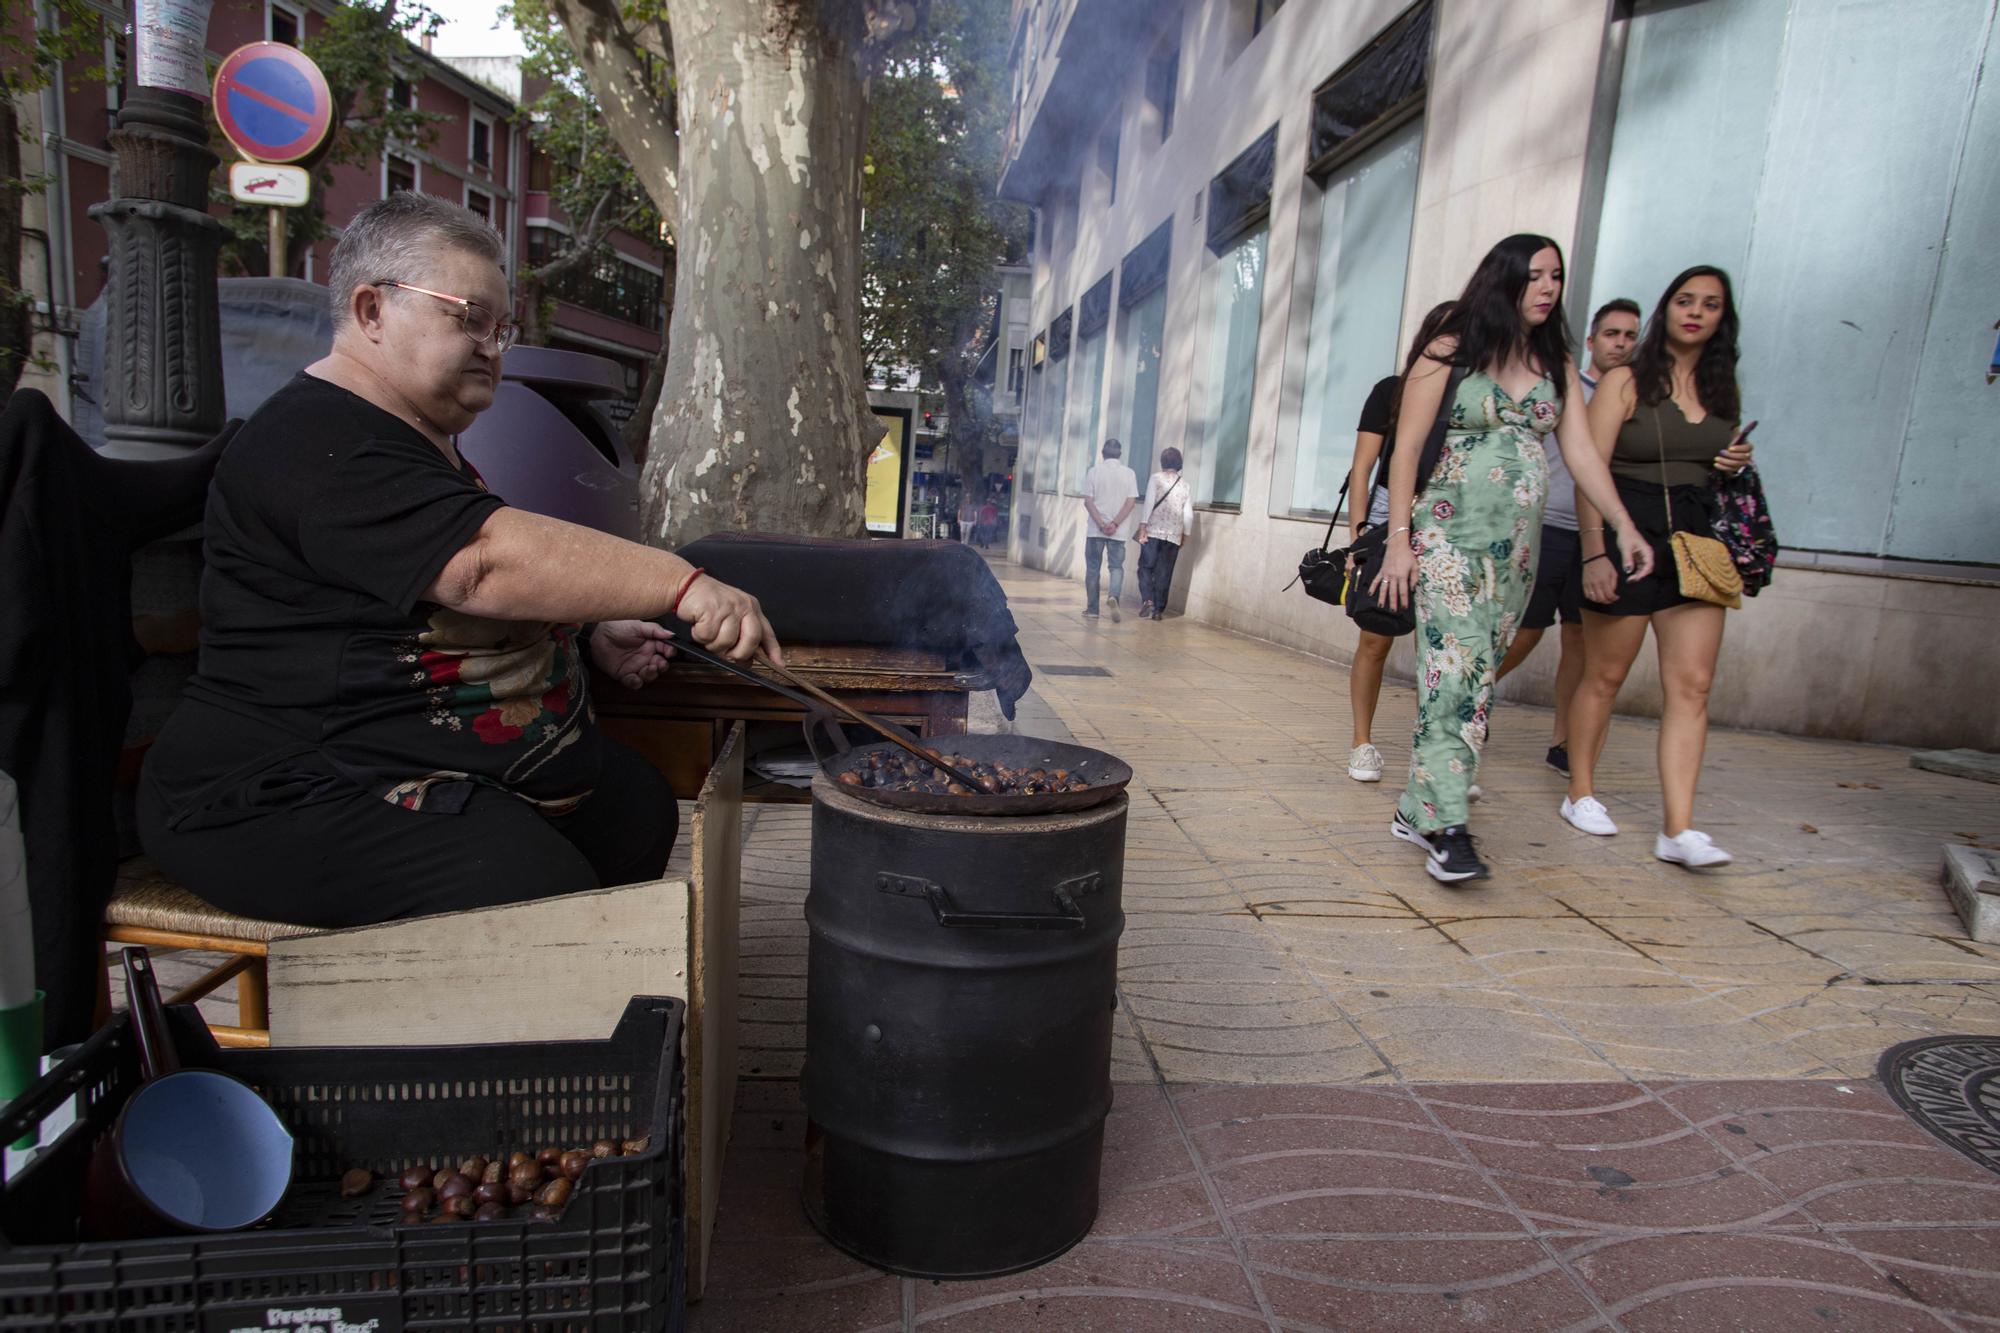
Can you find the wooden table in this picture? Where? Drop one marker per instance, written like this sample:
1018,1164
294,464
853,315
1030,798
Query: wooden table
680,721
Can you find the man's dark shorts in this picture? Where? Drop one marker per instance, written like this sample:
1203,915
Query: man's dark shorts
1558,581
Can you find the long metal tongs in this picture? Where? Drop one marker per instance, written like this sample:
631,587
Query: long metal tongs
807,694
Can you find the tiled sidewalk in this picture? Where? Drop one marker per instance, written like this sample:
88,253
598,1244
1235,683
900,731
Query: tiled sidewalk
1352,1098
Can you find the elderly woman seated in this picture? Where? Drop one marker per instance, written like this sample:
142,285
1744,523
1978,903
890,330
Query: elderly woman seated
392,714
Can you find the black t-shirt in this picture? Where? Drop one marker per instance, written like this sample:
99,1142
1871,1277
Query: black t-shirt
1377,415
321,663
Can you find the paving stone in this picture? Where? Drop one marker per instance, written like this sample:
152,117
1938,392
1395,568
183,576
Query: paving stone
1103,1287
1403,1282
1711,1282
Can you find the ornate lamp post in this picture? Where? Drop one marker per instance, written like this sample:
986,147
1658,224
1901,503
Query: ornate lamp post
163,330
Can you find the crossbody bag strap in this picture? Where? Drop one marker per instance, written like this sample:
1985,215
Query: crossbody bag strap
1164,496
1666,496
1339,504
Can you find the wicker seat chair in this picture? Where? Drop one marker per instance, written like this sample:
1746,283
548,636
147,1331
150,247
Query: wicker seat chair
149,908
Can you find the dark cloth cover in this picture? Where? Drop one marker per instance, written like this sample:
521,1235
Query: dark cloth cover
70,523
937,596
322,669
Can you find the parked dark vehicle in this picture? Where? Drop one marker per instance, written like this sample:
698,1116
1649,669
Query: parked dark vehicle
549,444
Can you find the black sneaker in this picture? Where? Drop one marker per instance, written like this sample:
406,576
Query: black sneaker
1399,827
1559,759
1453,858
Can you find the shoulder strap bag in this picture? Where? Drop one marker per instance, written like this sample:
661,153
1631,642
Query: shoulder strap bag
1743,524
1707,571
1364,608
1164,495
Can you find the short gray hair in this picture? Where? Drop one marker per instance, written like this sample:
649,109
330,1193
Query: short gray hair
390,241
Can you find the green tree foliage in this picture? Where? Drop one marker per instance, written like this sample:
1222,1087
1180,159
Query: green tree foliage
70,40
364,48
934,227
590,179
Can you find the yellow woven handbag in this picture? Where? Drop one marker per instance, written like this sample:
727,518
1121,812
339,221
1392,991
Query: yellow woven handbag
1707,571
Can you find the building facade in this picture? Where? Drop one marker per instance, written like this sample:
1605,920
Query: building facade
475,157
1243,207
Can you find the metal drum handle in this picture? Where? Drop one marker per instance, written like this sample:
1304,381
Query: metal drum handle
1067,916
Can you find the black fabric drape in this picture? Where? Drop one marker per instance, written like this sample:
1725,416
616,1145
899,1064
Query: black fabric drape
1240,195
1093,312
1145,269
69,522
937,596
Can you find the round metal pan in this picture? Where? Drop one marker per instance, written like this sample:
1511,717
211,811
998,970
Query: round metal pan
1106,774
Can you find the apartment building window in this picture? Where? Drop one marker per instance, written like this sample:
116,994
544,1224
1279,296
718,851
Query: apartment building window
397,174
1142,336
480,150
403,92
1048,459
282,23
1238,209
1093,320
541,172
610,284
1014,373
1163,77
479,204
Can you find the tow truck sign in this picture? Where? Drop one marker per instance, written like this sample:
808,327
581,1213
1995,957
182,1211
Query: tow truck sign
266,183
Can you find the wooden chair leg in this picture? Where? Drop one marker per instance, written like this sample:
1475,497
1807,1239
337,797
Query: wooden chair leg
253,997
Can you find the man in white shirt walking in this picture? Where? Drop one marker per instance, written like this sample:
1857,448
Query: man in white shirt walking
1110,495
1164,523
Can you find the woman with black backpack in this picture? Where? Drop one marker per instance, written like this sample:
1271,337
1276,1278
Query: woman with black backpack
1461,540
1368,507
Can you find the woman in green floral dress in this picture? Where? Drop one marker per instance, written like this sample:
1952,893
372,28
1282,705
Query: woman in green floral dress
1469,562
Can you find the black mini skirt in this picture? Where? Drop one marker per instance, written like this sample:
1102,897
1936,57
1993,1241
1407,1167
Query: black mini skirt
1694,510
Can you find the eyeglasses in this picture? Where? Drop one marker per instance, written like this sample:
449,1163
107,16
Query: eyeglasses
479,323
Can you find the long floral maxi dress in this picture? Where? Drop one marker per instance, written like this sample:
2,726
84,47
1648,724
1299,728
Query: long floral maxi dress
1475,527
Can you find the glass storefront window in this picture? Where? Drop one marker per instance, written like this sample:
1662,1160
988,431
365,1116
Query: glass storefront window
1142,335
1234,316
1085,404
1366,209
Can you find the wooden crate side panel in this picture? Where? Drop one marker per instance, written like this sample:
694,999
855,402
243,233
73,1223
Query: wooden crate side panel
712,1028
550,970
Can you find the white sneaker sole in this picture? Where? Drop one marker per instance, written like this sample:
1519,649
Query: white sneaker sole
1611,832
1363,775
1443,876
1718,859
1410,836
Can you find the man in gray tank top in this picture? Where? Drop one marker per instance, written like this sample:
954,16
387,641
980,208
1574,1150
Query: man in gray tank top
1614,335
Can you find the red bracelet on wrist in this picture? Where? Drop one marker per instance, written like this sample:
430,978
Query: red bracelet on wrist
686,583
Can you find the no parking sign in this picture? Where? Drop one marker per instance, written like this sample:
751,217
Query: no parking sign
273,103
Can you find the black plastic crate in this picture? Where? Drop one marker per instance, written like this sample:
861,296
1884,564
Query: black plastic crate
614,1260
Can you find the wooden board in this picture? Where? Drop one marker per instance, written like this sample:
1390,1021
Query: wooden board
714,933
551,970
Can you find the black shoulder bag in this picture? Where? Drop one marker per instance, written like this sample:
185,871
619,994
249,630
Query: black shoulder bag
1321,569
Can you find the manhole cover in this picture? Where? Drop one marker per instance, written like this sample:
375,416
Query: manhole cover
1072,671
1950,1086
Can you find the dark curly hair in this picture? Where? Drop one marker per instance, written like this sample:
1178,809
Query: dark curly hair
1714,372
1486,318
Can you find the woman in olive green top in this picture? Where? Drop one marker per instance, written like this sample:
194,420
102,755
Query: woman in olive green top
1668,422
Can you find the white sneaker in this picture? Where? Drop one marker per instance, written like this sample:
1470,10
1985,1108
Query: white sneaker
1365,764
1474,794
1691,848
1589,815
